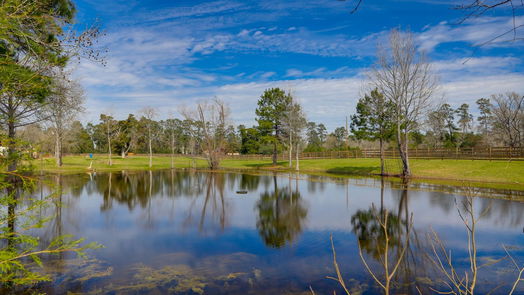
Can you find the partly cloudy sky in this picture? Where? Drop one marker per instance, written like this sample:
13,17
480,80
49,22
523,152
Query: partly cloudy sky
170,53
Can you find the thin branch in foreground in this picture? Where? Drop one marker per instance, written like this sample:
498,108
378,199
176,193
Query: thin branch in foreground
519,268
339,277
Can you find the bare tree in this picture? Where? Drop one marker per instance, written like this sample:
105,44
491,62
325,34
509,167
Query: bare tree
519,268
171,128
295,122
454,281
508,117
212,117
62,107
110,129
403,75
149,114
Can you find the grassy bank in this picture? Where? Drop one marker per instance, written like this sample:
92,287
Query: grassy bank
496,174
75,164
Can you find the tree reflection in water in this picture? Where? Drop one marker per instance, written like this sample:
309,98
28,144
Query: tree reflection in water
214,205
280,212
206,191
281,215
386,237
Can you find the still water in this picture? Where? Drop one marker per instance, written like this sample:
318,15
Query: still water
187,232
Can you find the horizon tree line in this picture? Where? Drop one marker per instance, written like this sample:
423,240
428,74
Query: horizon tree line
395,112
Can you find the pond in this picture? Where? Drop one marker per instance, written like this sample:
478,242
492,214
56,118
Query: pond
189,232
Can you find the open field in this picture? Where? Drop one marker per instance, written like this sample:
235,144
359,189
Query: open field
495,174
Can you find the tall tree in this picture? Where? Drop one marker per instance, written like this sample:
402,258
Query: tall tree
508,116
322,133
294,123
149,114
249,140
340,135
374,121
33,44
449,118
486,118
110,129
81,141
172,128
313,138
232,139
465,121
404,77
436,124
271,111
125,139
22,95
212,118
62,108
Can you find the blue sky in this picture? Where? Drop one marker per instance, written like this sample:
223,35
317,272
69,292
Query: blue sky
168,54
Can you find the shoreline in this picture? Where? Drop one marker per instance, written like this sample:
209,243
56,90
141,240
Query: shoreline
354,168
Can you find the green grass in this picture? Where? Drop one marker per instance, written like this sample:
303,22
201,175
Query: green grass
482,173
494,174
75,164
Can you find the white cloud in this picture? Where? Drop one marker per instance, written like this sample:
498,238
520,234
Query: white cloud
487,63
320,72
199,10
324,100
462,68
475,32
469,89
267,75
151,62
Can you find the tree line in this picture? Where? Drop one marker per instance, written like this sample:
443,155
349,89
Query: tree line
283,127
398,110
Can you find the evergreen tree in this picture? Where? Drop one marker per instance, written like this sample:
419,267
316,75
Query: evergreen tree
271,111
373,121
486,117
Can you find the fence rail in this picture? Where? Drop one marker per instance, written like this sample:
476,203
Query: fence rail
488,153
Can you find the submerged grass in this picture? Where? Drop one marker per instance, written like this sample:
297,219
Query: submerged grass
480,173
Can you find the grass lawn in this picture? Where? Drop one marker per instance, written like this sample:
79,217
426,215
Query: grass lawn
496,174
75,164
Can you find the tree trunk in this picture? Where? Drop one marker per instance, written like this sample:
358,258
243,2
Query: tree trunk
172,154
58,149
290,150
296,158
406,169
403,151
109,149
275,147
11,148
382,170
11,218
172,149
150,153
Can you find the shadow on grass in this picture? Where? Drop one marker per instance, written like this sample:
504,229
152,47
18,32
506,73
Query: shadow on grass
353,170
280,164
